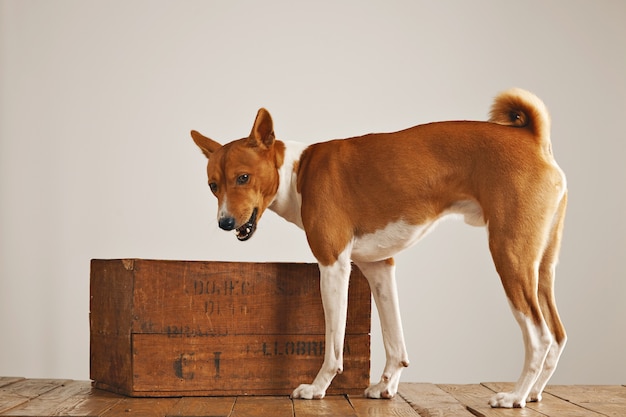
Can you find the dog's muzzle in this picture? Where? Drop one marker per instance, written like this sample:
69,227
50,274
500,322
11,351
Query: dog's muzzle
243,232
246,231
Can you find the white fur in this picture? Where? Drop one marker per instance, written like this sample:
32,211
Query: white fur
385,243
537,342
470,210
397,236
222,211
382,280
549,366
287,203
334,280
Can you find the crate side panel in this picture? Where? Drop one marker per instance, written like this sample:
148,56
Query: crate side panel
111,288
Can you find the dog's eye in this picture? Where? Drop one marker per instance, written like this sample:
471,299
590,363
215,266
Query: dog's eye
213,187
243,179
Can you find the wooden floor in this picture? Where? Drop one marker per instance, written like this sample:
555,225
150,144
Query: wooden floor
55,397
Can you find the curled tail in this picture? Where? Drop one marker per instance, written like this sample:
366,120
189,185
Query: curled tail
521,108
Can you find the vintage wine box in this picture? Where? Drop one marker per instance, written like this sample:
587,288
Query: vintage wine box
188,328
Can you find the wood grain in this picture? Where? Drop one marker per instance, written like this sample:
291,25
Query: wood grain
476,397
603,399
203,407
431,401
189,328
395,407
549,405
45,397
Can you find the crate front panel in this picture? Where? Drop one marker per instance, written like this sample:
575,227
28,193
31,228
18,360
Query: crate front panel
171,328
229,365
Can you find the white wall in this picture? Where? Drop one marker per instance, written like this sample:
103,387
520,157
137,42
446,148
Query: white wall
97,99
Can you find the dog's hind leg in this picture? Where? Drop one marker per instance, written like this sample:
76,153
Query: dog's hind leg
334,281
517,246
381,277
548,303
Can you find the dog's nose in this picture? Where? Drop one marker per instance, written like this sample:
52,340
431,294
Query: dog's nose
227,223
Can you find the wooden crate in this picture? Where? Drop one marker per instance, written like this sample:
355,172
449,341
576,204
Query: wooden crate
187,328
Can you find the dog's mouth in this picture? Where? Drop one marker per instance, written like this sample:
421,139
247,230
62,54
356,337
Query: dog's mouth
246,231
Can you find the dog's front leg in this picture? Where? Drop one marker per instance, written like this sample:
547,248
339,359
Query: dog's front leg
382,280
334,281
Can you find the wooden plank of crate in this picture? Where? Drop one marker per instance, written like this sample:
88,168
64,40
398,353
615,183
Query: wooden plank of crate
476,398
430,400
396,407
263,406
51,402
203,407
239,364
188,297
605,399
331,406
142,407
24,390
549,405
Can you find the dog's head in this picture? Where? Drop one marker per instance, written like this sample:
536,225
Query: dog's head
243,175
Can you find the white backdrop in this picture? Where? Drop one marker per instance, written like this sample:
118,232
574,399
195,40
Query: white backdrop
97,100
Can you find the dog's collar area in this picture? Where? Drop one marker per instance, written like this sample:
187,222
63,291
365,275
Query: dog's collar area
246,231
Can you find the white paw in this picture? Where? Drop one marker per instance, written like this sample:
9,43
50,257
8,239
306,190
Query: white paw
308,392
507,400
383,389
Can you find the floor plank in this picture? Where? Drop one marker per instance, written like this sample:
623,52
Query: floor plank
93,403
604,399
6,380
431,401
129,407
331,406
52,402
476,398
22,391
549,405
203,407
396,407
263,406
39,397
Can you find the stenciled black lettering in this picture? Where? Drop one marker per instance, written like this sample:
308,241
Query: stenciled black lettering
293,348
181,366
216,362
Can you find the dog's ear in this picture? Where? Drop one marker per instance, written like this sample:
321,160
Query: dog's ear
206,145
263,130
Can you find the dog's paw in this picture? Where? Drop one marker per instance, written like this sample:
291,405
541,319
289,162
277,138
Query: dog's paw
382,389
533,397
507,400
308,392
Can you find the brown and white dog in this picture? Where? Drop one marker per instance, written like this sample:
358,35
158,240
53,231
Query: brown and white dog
364,199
